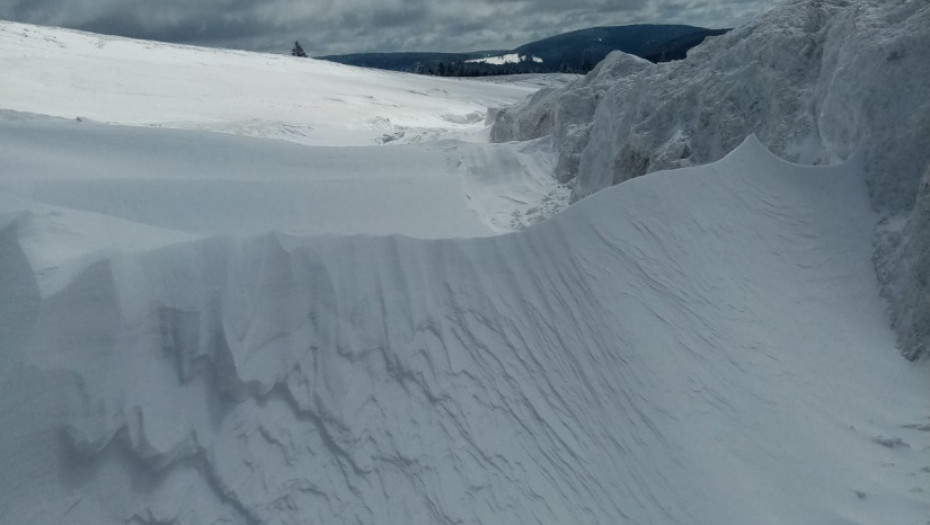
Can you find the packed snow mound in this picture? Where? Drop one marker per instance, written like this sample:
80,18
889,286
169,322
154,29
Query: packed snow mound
72,74
816,81
698,346
128,128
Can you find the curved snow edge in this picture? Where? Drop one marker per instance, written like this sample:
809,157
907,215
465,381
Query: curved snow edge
535,377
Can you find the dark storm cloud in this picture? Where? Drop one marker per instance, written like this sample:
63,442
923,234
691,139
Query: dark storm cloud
344,26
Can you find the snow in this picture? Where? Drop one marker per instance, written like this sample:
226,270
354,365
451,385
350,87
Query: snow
655,354
169,172
201,327
208,183
72,74
815,81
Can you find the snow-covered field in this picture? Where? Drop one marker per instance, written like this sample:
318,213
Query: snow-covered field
189,180
243,288
117,80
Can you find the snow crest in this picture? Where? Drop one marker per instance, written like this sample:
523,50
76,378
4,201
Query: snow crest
621,362
816,81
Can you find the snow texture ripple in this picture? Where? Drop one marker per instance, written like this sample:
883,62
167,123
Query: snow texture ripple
653,355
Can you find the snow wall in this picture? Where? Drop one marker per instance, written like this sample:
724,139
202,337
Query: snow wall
814,80
649,356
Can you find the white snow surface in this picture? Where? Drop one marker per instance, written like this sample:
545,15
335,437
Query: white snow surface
208,183
704,345
170,172
814,80
201,328
71,74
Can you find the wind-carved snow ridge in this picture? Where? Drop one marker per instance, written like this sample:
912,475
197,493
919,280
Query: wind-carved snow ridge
815,81
653,355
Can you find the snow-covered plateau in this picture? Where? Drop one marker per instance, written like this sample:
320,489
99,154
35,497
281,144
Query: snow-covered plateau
816,81
239,288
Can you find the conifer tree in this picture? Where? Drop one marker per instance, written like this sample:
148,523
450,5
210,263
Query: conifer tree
298,51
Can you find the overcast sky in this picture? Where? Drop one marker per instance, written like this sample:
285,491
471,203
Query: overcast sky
349,26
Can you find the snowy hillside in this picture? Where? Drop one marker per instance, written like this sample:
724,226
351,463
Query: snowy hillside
72,74
814,80
219,328
620,363
208,183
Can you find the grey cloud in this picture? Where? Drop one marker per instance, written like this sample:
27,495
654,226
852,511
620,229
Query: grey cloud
345,26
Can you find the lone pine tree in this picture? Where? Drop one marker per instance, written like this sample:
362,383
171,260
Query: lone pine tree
298,51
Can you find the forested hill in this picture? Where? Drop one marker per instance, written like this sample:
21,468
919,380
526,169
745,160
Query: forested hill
575,52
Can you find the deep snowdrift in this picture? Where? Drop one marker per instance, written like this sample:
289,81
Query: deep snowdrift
814,80
699,346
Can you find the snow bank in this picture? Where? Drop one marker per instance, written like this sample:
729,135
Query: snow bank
698,346
168,171
814,80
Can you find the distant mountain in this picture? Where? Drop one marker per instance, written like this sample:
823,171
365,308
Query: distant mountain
577,51
408,62
585,48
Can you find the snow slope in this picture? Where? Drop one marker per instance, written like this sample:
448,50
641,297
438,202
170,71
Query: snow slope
814,80
198,328
698,346
169,173
71,74
214,183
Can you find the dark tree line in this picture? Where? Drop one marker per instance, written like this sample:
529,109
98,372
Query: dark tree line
482,69
573,52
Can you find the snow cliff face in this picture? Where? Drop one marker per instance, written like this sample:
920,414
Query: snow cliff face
816,81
